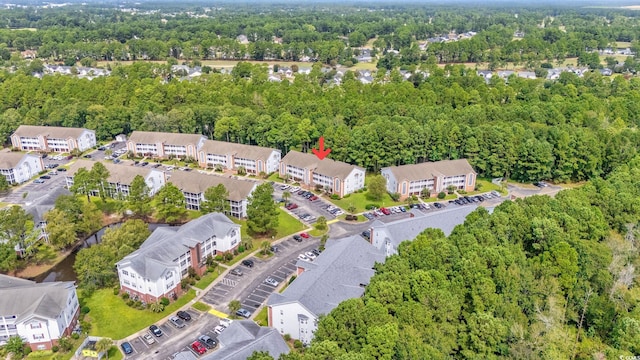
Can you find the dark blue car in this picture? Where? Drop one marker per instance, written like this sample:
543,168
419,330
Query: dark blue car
126,347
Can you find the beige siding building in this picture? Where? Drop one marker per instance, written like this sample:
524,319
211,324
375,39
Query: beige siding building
164,145
52,138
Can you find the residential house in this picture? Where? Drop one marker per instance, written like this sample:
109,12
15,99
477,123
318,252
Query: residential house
364,56
335,176
19,167
388,236
40,313
486,74
38,203
194,185
339,273
52,138
504,74
606,72
164,145
120,177
527,74
408,180
243,337
254,159
164,259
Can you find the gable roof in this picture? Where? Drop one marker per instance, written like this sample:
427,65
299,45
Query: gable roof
408,228
9,160
153,137
53,132
243,337
121,174
47,299
334,276
197,183
238,150
166,244
429,170
37,203
326,166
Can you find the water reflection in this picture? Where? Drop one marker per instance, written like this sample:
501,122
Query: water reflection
63,271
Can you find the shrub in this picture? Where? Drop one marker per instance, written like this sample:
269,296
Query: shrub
165,301
116,291
184,283
335,196
228,256
352,217
218,258
462,192
125,296
297,344
395,196
240,249
235,252
197,277
370,206
75,336
441,195
85,309
347,196
65,344
130,303
55,348
287,337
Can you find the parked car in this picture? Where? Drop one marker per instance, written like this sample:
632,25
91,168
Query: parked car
126,347
62,169
102,148
207,341
304,235
271,281
177,322
303,257
291,206
38,181
274,249
438,205
313,198
297,238
219,329
310,255
316,252
385,211
155,330
236,272
54,172
243,312
366,234
198,347
148,339
247,263
46,177
225,322
88,156
184,315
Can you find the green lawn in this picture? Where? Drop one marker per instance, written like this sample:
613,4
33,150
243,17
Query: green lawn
316,232
111,317
435,199
262,318
275,177
207,280
201,306
287,224
360,201
485,185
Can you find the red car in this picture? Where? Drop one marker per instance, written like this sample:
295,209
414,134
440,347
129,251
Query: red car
385,211
313,198
305,235
198,347
291,206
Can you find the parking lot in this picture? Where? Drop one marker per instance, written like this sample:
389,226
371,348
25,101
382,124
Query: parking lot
250,288
174,340
304,206
17,195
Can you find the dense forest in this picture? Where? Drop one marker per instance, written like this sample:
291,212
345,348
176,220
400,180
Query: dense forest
327,33
567,130
539,278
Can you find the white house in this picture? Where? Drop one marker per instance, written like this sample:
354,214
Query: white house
194,185
120,177
164,145
255,159
52,138
340,178
18,167
156,268
408,180
39,313
341,272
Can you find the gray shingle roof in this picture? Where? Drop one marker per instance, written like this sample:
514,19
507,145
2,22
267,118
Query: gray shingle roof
40,299
409,228
428,170
53,132
198,183
9,160
326,166
166,244
152,137
238,150
243,337
334,276
37,203
122,174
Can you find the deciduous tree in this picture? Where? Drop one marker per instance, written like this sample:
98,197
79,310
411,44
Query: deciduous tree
170,203
262,211
216,199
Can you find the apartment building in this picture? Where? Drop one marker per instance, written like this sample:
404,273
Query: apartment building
408,180
52,138
164,145
255,159
341,272
40,313
19,167
193,185
163,260
338,177
120,177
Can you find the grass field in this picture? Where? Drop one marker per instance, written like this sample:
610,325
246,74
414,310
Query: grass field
317,233
111,317
486,185
360,201
206,280
201,306
287,225
262,317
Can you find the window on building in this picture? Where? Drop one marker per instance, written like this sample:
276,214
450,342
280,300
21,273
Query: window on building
281,312
38,336
36,326
125,272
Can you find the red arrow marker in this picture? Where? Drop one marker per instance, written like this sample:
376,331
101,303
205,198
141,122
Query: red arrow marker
321,153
